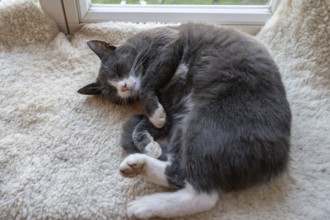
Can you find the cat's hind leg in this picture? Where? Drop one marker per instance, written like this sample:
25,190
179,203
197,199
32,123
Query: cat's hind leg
150,168
186,201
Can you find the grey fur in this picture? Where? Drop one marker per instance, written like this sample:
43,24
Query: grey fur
228,120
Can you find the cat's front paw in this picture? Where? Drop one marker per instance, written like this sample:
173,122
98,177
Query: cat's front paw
132,165
158,119
153,149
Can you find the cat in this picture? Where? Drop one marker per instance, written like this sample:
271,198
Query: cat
226,115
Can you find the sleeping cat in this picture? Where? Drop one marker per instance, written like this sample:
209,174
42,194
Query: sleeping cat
227,118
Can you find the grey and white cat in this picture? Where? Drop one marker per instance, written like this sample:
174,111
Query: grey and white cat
218,97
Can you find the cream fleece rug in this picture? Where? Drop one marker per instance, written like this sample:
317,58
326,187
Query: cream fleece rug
59,151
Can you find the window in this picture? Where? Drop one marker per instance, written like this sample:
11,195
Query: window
184,2
247,15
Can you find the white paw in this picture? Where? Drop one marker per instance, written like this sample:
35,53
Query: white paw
142,208
153,149
158,119
132,165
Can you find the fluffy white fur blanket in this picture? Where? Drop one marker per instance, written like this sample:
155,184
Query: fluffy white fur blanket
59,151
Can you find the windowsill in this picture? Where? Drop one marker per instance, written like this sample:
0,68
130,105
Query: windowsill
70,15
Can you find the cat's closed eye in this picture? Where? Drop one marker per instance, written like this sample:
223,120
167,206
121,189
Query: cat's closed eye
118,72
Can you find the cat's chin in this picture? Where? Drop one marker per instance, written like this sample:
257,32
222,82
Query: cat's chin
128,94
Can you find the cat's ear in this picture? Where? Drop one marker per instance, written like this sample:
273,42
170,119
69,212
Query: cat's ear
91,89
101,48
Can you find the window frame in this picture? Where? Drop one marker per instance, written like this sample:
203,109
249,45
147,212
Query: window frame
70,15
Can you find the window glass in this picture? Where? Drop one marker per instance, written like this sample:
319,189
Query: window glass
185,2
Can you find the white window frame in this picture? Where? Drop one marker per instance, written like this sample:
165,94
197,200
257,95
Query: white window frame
70,15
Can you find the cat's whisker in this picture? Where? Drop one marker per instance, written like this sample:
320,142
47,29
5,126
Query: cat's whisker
140,60
105,66
139,63
136,68
135,61
123,101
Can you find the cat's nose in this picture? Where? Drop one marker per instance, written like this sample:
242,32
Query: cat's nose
127,87
124,87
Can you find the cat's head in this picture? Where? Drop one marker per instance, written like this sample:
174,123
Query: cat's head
117,80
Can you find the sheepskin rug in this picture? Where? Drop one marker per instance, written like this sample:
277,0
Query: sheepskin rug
59,151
